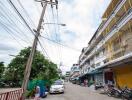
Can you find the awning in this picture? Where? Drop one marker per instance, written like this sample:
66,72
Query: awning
96,71
76,78
121,60
82,76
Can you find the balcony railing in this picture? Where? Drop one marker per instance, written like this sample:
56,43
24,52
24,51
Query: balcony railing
90,46
120,24
101,59
126,17
119,50
88,57
81,56
99,45
117,8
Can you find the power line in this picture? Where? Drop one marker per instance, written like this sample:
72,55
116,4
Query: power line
26,13
7,15
59,33
9,11
43,49
49,30
59,43
56,34
19,14
38,10
13,29
25,23
8,31
30,59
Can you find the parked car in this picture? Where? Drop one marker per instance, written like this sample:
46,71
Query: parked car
60,80
57,87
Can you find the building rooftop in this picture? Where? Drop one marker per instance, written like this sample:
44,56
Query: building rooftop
110,8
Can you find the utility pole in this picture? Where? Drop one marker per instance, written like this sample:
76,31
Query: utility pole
30,59
33,49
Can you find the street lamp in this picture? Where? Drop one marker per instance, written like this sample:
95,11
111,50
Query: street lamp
15,56
12,55
56,24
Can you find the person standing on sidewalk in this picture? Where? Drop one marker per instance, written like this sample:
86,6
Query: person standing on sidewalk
37,93
86,82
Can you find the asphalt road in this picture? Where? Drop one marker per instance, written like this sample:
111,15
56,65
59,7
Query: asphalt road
76,92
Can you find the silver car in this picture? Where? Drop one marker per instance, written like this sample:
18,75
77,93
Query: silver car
57,87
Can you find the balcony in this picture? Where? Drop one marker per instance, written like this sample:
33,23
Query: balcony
82,62
117,8
100,59
93,51
118,52
124,20
100,44
116,28
86,67
82,56
90,46
121,3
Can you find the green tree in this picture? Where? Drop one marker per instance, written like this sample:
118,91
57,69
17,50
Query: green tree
2,68
42,68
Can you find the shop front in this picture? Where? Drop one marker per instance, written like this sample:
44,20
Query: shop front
123,75
120,72
108,76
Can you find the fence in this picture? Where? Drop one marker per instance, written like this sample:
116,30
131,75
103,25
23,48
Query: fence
12,95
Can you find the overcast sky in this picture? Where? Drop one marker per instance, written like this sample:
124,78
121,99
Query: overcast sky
82,18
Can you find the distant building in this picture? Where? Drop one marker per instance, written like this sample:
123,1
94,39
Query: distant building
67,75
108,56
74,75
60,72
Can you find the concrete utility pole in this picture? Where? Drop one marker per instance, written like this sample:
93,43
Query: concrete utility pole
30,59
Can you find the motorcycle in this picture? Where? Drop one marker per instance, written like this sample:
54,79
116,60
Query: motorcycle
113,91
126,94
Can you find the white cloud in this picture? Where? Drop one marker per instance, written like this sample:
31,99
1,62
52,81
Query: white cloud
81,17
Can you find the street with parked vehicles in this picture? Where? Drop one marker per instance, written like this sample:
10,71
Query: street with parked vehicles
66,50
72,91
77,92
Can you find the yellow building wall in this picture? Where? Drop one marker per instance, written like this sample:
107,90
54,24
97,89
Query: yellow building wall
123,76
